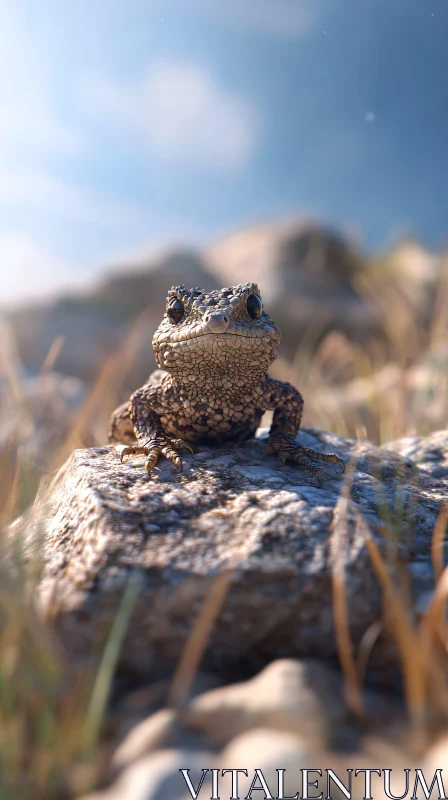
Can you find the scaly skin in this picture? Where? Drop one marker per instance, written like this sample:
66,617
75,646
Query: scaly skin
212,385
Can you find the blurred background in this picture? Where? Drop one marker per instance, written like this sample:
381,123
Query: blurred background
146,143
298,143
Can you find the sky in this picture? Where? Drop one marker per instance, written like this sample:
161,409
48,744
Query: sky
127,123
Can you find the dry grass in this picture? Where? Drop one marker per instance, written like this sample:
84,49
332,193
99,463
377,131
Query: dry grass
397,384
50,732
50,725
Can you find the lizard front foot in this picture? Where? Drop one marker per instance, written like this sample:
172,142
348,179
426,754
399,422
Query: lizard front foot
287,449
153,447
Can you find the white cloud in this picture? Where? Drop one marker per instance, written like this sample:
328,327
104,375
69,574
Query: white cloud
36,130
40,191
182,115
28,269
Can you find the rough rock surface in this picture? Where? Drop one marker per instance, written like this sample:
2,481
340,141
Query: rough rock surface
99,521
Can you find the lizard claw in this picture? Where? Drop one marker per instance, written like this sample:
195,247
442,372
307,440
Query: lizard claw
128,450
163,445
287,449
319,474
181,444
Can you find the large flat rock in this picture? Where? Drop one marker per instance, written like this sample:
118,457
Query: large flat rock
98,521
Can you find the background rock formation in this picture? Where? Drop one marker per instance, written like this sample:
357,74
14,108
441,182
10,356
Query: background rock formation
308,275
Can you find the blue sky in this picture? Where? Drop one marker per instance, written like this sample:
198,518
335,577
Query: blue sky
124,123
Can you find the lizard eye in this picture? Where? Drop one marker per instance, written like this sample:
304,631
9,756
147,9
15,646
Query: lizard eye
254,306
175,310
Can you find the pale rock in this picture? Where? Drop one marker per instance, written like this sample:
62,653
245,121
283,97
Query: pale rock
267,750
158,777
293,696
151,734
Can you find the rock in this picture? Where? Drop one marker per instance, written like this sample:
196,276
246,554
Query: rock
39,418
98,522
306,274
96,322
140,731
158,777
288,695
36,411
437,758
268,751
415,270
429,453
302,697
151,734
391,758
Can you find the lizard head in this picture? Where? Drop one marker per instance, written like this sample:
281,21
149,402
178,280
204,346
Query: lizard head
216,333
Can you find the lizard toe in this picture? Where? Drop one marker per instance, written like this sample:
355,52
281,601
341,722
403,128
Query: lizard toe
181,444
172,454
319,474
152,458
286,449
127,450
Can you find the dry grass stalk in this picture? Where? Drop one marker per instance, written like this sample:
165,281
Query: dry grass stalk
404,634
197,641
103,394
338,546
52,356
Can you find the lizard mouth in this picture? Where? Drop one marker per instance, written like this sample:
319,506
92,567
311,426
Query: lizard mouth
236,334
220,342
229,334
217,352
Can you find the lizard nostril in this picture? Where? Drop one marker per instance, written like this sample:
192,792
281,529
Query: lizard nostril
217,321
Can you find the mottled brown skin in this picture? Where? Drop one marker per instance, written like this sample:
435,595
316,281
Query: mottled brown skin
212,385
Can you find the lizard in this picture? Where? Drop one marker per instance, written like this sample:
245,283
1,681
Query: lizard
213,350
